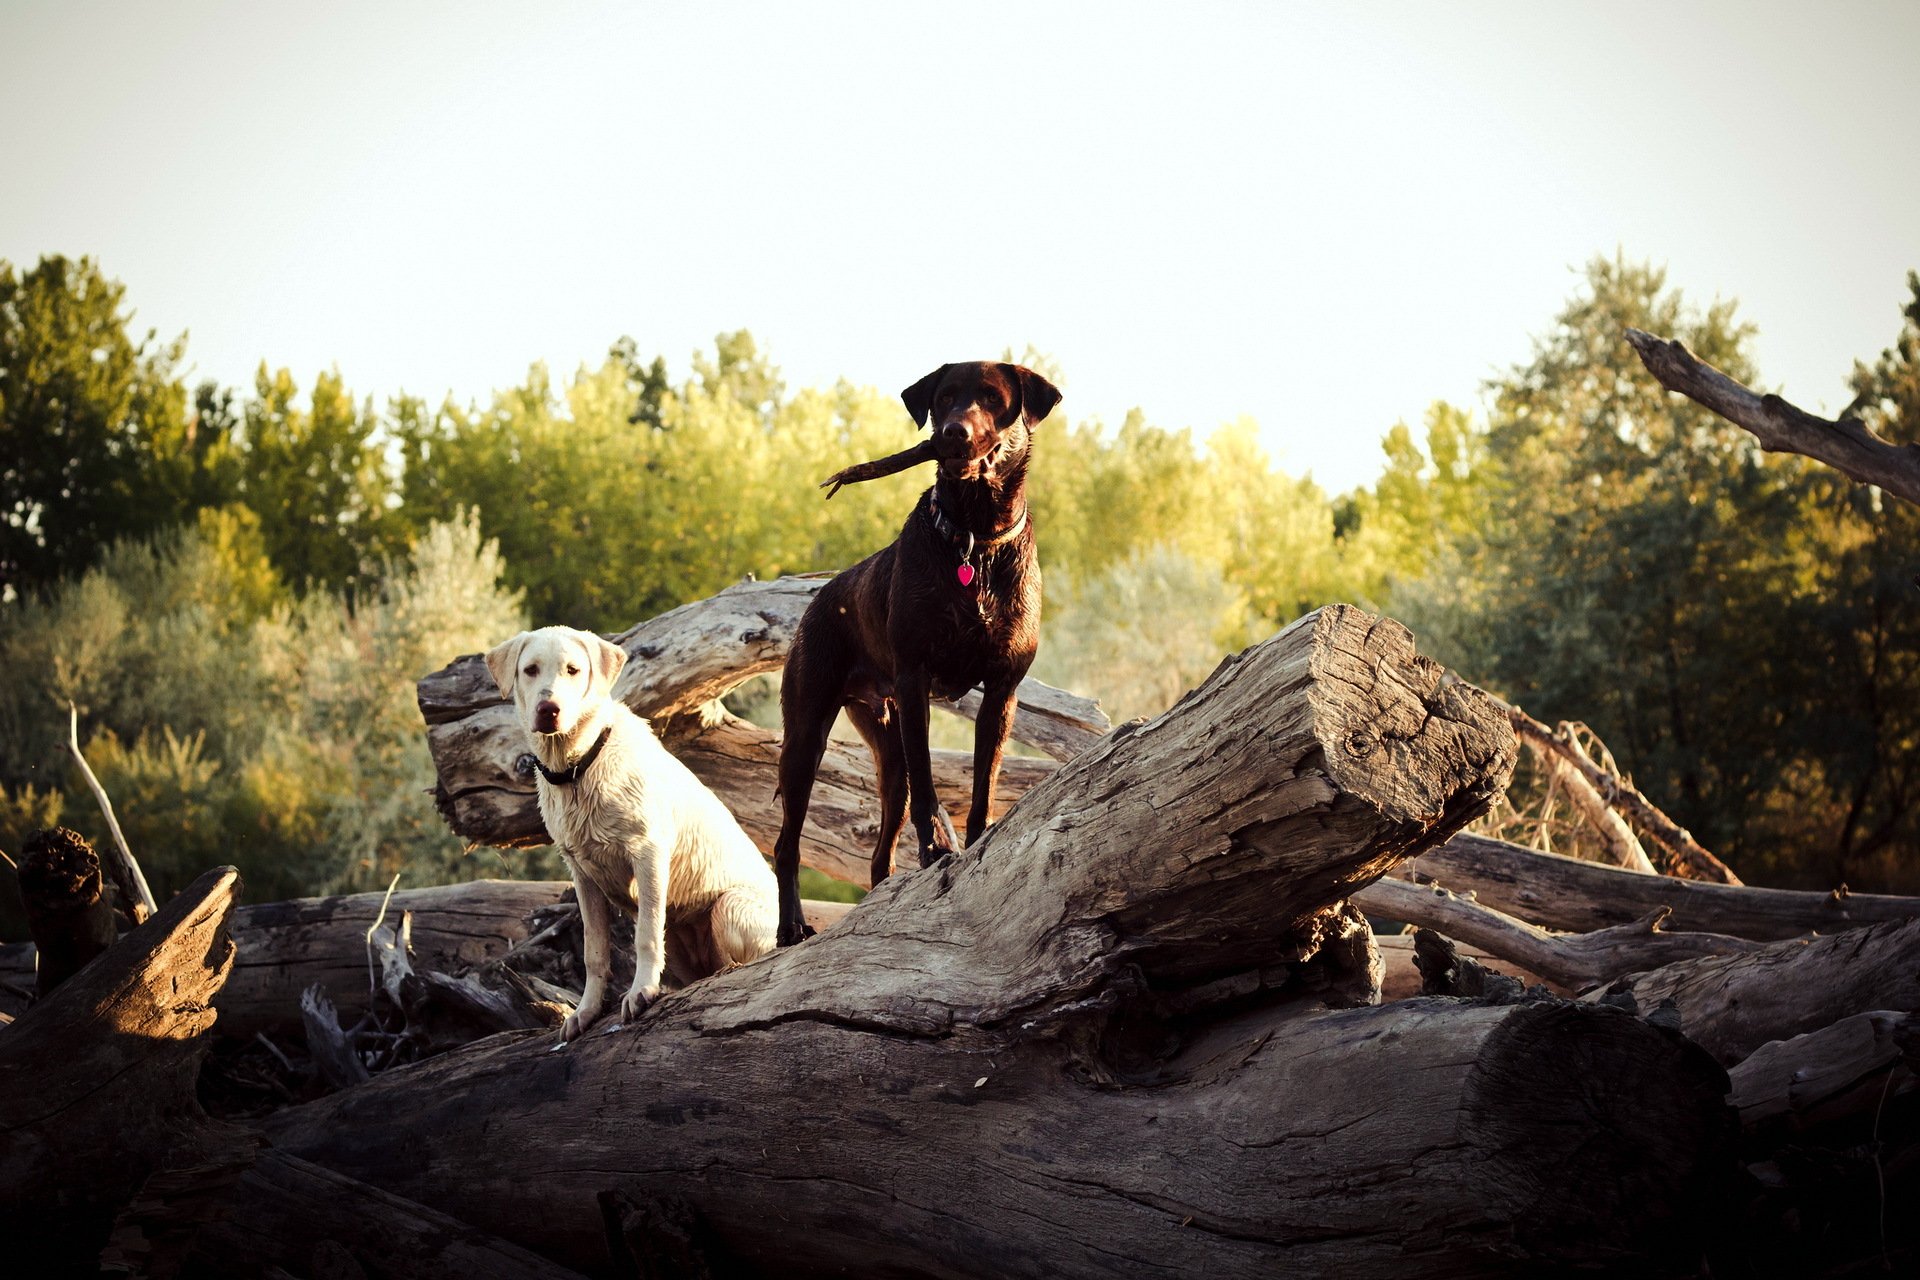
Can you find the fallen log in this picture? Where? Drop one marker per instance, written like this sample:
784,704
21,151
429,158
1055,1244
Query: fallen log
1085,1046
1840,1072
1574,961
1731,1005
682,661
97,1080
1576,896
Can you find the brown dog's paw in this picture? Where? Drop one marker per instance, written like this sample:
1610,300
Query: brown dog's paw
787,936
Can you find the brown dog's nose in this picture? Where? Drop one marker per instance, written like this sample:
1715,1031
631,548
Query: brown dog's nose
955,433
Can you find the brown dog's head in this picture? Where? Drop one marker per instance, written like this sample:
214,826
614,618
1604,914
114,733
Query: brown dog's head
981,414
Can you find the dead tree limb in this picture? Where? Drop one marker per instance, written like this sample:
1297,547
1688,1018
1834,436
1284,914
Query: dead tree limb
1572,772
1848,445
1577,896
1573,961
1687,858
97,1080
120,863
1084,1046
1731,1005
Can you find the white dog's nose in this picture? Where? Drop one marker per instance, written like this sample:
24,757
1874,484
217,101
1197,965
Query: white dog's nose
546,716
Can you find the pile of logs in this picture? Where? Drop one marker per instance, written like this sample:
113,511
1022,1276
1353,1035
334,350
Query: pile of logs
1143,1027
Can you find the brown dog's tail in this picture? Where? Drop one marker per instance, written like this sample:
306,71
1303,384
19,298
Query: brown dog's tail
919,453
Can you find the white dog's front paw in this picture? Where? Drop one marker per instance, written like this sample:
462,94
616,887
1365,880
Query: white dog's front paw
578,1022
635,1003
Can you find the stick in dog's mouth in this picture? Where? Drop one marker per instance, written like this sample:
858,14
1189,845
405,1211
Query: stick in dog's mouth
893,463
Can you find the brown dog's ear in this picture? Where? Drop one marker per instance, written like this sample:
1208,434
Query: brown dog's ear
1037,395
503,661
919,397
608,659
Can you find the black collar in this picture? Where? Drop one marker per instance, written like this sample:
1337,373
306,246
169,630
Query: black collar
964,539
571,774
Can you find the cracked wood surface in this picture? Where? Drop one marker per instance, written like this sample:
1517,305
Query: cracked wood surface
1731,1005
679,663
1085,1046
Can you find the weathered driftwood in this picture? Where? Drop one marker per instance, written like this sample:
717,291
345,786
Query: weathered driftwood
1566,893
1622,847
680,662
1078,1047
1731,1005
1847,445
1839,1072
1685,857
68,912
1574,961
97,1080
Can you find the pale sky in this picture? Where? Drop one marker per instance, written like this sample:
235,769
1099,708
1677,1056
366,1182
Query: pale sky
1323,216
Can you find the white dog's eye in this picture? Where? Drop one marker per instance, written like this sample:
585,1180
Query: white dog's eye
533,669
573,669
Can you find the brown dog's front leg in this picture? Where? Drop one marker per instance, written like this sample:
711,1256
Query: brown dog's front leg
990,731
910,689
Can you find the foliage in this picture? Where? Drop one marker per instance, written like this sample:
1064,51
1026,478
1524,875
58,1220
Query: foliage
232,722
95,439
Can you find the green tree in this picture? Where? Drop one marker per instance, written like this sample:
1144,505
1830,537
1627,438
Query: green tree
319,480
96,440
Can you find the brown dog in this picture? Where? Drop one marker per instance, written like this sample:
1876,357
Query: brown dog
953,603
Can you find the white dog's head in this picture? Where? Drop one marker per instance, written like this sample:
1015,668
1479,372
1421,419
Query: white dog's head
554,675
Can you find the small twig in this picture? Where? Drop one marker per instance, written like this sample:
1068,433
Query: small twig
9,861
274,1049
126,873
527,944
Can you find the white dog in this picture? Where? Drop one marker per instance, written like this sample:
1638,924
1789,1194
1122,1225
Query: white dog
637,829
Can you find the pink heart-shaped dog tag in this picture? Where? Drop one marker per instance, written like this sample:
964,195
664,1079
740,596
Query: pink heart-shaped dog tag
965,574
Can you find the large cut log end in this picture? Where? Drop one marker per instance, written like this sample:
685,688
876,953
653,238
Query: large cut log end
1398,730
1605,1138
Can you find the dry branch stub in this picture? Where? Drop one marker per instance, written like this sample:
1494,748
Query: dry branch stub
1089,1046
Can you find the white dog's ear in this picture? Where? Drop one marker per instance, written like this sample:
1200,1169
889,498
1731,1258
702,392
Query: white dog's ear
608,659
503,660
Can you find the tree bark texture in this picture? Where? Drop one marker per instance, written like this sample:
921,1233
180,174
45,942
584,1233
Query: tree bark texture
1086,1044
1731,1005
97,1080
1847,446
679,663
